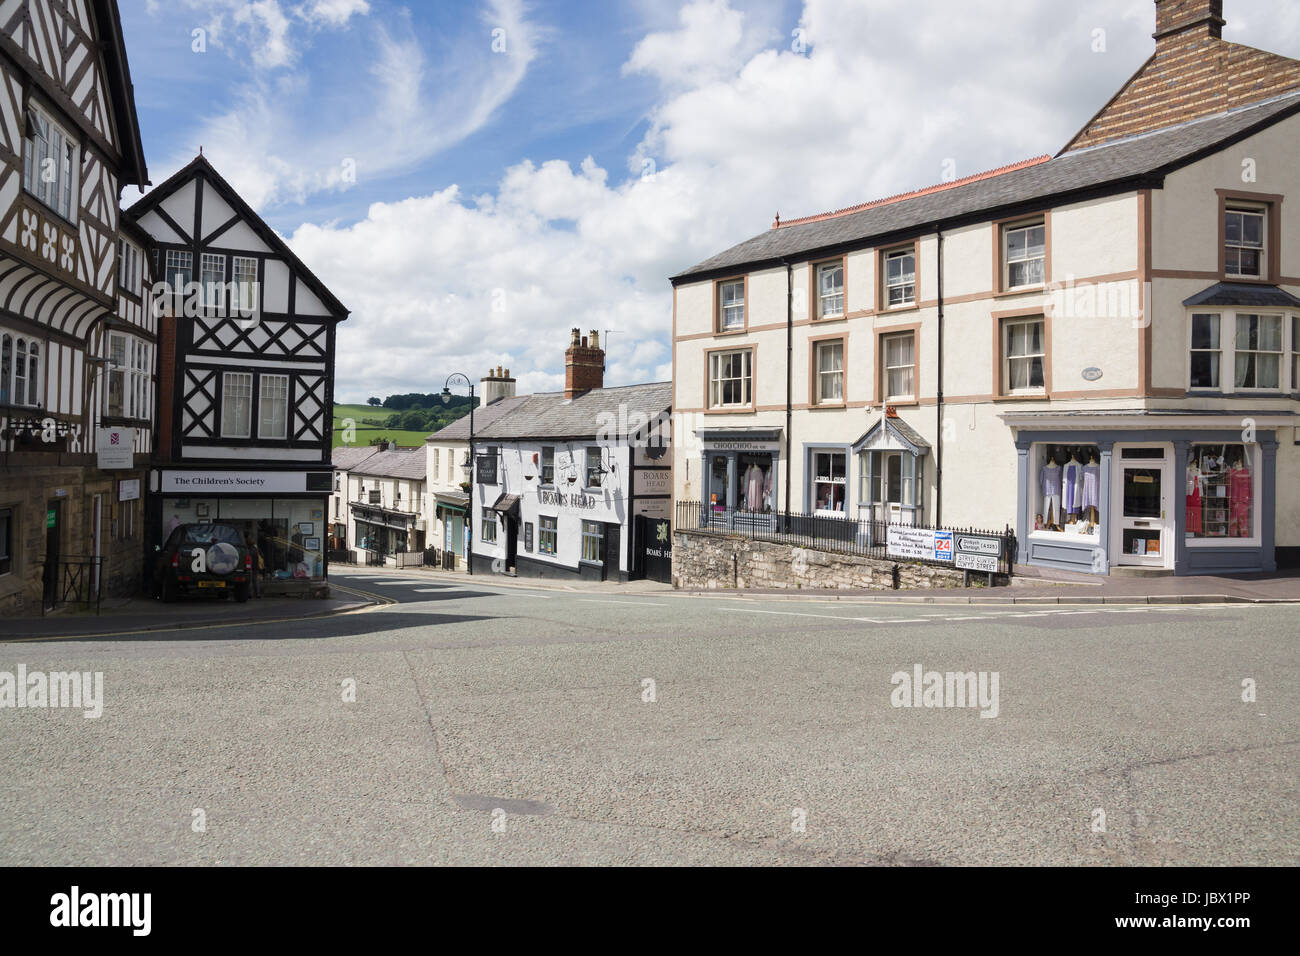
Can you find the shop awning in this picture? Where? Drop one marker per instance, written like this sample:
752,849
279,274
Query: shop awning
507,505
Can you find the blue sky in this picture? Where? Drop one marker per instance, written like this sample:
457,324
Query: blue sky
502,196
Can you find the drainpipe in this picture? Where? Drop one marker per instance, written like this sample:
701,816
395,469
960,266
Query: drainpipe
938,454
789,382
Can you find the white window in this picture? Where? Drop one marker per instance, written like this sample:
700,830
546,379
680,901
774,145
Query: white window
128,267
1024,256
236,404
20,370
245,279
730,379
213,278
273,406
899,366
178,275
1258,361
830,372
593,540
547,535
489,527
731,304
595,469
1244,242
434,469
1023,357
1207,351
829,481
50,163
830,289
128,371
900,278
548,465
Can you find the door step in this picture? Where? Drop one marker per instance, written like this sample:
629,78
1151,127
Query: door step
1123,571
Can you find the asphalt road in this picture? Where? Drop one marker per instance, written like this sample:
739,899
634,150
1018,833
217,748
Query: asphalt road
498,725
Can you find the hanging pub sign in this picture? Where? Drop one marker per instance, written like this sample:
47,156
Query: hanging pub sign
485,468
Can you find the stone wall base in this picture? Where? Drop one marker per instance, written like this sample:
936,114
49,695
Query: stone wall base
707,561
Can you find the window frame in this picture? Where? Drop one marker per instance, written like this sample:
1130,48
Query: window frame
29,368
1271,258
262,380
814,479
883,336
1280,352
1288,366
1253,452
129,271
227,379
719,312
913,249
747,379
489,521
816,311
587,470
548,528
68,189
545,472
238,285
1002,321
816,373
1002,230
596,539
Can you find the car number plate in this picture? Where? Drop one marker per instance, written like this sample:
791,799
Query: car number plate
212,584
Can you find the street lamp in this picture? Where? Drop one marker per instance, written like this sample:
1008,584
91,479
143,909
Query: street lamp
446,398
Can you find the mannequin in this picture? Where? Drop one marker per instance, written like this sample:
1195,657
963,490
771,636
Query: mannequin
1050,479
1090,492
754,488
1194,482
1072,475
1240,492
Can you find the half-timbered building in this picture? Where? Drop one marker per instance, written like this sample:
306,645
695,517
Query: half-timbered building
246,359
75,344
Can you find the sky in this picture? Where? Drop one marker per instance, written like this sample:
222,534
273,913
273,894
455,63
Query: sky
474,178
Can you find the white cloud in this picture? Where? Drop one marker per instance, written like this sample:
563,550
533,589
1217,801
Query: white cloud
885,93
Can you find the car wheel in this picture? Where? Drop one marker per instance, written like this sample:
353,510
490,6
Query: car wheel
168,590
241,593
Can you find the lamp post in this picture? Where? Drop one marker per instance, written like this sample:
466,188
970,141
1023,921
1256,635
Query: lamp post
446,398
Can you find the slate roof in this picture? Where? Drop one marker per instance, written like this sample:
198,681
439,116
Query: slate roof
901,430
1135,162
1244,293
551,415
459,429
398,463
345,457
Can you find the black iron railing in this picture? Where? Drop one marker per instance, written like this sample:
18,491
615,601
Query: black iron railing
863,537
73,580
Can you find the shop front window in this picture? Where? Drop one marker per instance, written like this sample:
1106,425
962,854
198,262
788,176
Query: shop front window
593,541
1220,492
829,481
754,477
1066,489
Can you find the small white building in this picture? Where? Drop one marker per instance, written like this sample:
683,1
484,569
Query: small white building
559,479
446,499
385,493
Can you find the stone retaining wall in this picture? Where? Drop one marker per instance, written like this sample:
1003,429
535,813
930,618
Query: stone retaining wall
706,561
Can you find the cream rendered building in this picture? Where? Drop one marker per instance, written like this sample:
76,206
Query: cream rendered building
1099,349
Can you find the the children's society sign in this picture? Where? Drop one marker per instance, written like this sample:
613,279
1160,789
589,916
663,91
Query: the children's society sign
918,544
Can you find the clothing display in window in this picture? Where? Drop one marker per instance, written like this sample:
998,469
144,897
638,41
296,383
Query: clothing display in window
1240,492
1072,476
754,484
1050,478
1195,484
1090,491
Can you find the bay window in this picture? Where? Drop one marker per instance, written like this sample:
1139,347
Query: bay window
1258,348
1242,351
1207,354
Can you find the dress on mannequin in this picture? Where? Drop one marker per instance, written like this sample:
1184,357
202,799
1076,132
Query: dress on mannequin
1050,480
1194,482
1072,475
1091,489
1240,492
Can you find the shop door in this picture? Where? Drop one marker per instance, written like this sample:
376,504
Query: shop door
96,530
53,552
512,542
1144,529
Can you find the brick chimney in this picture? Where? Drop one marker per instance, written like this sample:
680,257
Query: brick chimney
584,364
1202,19
496,385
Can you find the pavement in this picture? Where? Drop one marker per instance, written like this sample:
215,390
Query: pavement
478,722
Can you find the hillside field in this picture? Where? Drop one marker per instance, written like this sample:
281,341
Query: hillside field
366,432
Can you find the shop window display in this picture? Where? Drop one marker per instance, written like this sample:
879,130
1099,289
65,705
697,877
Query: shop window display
829,481
1220,492
1068,489
753,490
